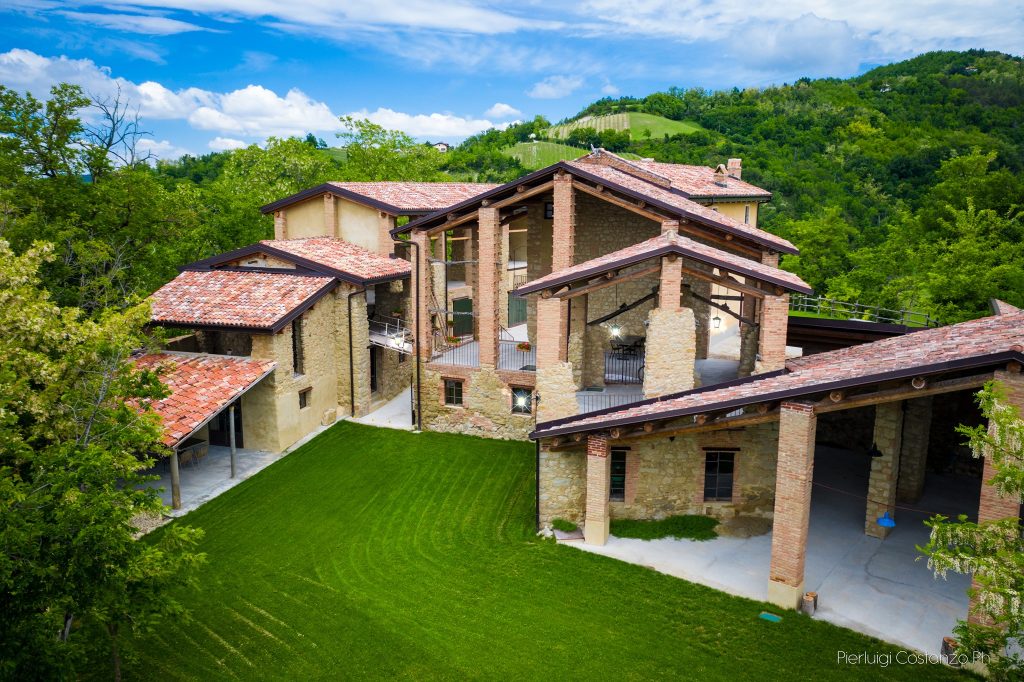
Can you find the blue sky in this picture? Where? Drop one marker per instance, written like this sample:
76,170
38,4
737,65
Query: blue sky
217,74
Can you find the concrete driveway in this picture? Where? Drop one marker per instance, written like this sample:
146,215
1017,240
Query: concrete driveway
878,587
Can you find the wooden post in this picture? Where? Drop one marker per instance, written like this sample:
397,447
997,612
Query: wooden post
231,430
175,481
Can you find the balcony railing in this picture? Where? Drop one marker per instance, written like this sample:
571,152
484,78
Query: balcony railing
830,308
512,355
593,401
623,367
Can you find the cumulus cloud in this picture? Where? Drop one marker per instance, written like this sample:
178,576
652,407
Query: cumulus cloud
425,125
223,144
251,112
160,149
502,110
555,87
609,89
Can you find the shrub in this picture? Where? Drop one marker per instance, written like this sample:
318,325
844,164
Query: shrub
684,526
563,525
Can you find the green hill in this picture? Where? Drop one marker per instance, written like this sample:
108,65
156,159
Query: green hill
533,155
635,122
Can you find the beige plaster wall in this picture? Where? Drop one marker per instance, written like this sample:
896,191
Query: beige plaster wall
306,219
358,224
736,209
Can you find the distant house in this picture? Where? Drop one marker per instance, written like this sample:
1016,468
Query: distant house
442,147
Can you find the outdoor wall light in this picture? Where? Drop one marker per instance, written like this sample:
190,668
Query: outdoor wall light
875,452
521,401
615,330
716,321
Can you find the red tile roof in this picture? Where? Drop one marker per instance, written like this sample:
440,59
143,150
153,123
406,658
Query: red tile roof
221,298
412,196
676,200
694,181
344,257
662,244
201,386
976,342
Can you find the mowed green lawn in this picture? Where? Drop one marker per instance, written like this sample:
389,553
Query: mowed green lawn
379,553
634,121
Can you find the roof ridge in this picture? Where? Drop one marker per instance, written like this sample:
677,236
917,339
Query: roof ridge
617,161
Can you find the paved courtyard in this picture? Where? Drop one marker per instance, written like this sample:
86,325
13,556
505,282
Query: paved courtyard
877,587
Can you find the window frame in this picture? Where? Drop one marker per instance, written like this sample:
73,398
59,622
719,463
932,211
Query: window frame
717,488
305,398
617,455
298,348
527,409
746,214
451,383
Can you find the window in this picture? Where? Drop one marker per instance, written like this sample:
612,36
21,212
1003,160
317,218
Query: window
452,392
297,359
746,214
522,401
617,489
304,396
549,210
718,470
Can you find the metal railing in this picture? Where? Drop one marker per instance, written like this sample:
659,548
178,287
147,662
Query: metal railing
465,352
841,310
392,333
623,367
591,402
517,355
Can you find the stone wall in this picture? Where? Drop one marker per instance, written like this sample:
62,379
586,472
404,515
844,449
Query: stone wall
486,402
670,354
273,418
666,477
223,342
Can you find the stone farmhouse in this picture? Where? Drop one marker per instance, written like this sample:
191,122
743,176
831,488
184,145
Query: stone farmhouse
628,316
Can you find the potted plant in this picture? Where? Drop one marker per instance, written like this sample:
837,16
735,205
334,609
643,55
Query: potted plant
524,346
453,340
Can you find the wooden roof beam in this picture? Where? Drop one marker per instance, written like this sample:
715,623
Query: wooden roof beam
907,391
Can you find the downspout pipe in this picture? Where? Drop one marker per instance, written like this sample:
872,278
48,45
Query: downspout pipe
418,417
351,360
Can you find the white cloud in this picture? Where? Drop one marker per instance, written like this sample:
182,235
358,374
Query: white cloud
502,110
609,89
134,23
250,112
426,125
223,144
161,149
555,87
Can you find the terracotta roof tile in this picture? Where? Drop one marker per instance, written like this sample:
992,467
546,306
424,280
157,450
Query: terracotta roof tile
676,200
700,181
233,298
201,385
669,243
411,196
343,256
909,354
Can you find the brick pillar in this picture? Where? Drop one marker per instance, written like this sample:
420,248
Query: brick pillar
421,294
774,321
770,258
556,381
794,474
917,422
595,527
280,225
991,505
469,254
488,285
330,219
564,224
577,336
748,337
701,315
885,470
503,258
670,289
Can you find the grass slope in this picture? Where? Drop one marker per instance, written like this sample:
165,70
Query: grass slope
535,155
380,553
633,121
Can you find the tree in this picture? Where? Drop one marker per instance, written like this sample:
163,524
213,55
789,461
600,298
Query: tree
375,153
76,436
993,551
42,139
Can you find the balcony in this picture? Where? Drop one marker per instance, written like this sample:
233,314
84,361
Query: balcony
514,353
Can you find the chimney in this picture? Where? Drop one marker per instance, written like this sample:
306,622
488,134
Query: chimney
720,175
735,168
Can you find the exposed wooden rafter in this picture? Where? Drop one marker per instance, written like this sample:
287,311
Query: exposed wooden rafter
606,280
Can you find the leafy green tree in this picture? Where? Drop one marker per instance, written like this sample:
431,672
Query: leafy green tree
992,551
39,138
375,153
74,445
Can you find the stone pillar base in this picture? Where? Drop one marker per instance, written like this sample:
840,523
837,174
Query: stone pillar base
596,532
669,363
785,596
557,390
